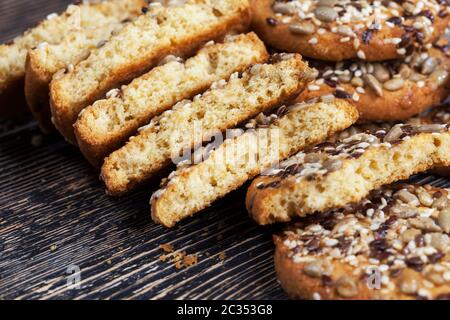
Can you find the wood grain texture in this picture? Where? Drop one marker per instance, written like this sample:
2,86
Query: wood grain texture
54,214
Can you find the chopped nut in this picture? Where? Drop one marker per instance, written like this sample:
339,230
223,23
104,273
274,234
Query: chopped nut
426,224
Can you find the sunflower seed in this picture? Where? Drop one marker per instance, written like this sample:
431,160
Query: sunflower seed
394,84
374,84
301,28
325,14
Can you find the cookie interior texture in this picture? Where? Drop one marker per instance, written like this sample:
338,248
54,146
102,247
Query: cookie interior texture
337,30
262,142
386,91
394,244
107,124
334,174
228,103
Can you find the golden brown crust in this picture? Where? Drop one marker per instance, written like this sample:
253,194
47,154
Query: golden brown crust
412,98
65,113
336,178
326,258
329,46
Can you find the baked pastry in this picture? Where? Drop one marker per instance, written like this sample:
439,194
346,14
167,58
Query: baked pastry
386,91
336,30
168,137
196,184
394,244
107,124
439,114
52,30
45,61
138,47
333,175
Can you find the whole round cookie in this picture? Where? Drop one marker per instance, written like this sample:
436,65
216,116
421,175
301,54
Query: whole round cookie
386,91
392,245
336,30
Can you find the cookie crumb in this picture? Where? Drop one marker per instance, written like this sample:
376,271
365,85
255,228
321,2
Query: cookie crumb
222,256
179,259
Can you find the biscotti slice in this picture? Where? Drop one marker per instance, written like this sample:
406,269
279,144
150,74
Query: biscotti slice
189,123
393,244
45,61
192,188
107,124
50,31
138,47
333,175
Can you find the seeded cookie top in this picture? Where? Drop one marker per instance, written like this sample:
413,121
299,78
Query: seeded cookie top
401,231
347,18
421,68
328,157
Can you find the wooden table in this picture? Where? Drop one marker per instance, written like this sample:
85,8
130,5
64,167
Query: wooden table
56,219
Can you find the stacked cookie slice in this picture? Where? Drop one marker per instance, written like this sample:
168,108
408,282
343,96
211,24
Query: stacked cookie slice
354,234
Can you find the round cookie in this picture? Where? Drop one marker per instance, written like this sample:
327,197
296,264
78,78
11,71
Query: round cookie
385,91
336,30
393,245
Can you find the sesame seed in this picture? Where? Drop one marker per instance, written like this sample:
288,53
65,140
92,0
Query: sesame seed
313,41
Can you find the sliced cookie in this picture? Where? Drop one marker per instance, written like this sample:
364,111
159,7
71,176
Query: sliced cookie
218,169
336,30
332,175
51,30
394,244
386,91
107,124
48,60
260,88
